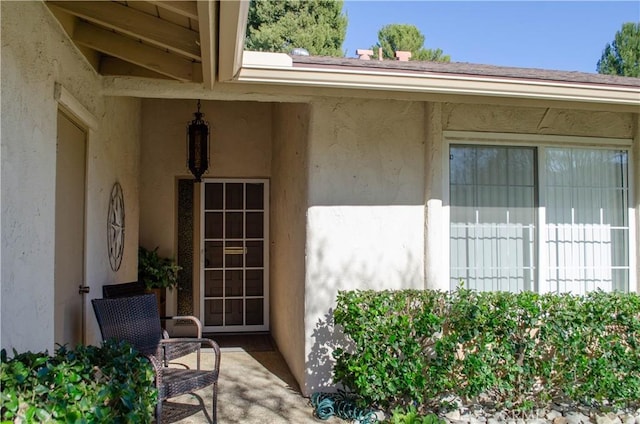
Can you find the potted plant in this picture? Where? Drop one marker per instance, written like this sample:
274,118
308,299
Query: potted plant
157,273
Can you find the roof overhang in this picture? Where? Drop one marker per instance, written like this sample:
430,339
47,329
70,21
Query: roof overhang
279,69
188,41
194,49
233,24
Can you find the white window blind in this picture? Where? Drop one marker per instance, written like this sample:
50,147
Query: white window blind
587,226
495,198
493,229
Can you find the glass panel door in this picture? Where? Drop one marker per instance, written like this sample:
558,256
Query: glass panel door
235,255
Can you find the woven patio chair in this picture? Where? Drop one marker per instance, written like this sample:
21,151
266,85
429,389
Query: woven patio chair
171,352
134,288
136,320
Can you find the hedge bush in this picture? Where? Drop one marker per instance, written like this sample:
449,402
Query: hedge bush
517,351
110,383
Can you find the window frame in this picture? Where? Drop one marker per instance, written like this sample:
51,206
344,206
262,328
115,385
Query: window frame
540,143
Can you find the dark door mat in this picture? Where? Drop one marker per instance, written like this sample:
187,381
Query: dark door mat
250,342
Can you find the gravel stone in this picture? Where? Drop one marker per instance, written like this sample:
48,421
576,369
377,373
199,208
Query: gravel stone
552,415
453,415
609,418
577,418
557,414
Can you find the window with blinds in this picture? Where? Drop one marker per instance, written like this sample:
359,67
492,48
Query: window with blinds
539,218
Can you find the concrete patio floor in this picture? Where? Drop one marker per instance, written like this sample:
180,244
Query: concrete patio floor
254,387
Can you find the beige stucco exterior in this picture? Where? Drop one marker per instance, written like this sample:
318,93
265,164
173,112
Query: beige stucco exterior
357,198
289,203
28,155
242,149
536,120
365,213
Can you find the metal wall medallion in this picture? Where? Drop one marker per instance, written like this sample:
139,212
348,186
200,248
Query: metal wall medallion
115,227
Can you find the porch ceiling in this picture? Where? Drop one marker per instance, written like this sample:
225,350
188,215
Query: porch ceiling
183,46
173,40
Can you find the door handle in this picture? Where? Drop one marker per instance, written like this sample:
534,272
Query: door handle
83,289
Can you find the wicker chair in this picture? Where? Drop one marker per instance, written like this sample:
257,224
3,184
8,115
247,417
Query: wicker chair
171,352
134,288
136,320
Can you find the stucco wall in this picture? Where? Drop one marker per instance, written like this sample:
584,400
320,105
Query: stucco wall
491,118
366,210
288,232
435,219
36,54
240,148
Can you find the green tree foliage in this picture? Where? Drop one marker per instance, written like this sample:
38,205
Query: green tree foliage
280,26
406,37
622,56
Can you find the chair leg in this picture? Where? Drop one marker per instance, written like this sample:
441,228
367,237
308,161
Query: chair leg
159,411
214,414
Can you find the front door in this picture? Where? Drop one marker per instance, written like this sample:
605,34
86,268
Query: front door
69,232
234,265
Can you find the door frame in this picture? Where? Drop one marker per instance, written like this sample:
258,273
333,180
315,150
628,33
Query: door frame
75,111
265,253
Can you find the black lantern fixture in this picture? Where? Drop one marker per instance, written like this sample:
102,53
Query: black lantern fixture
198,145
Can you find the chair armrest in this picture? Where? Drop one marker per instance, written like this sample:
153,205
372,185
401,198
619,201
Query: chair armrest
157,368
195,321
209,342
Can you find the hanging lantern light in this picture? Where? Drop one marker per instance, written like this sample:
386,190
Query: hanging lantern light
198,145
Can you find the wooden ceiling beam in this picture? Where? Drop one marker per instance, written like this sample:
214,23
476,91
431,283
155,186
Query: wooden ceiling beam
184,8
136,24
129,50
113,66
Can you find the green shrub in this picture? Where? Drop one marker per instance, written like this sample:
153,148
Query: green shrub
111,383
411,415
518,351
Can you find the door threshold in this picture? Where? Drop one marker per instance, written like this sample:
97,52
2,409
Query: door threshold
248,342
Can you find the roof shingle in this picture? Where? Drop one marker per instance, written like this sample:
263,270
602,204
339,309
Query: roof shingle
469,69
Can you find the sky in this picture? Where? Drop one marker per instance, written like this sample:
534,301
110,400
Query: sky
558,35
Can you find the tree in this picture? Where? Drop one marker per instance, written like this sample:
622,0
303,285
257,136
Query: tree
406,37
622,56
280,26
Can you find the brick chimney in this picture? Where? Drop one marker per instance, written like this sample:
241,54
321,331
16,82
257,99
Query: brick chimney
364,54
403,56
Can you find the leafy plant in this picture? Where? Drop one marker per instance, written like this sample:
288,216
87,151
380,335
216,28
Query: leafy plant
155,271
111,383
517,351
411,415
